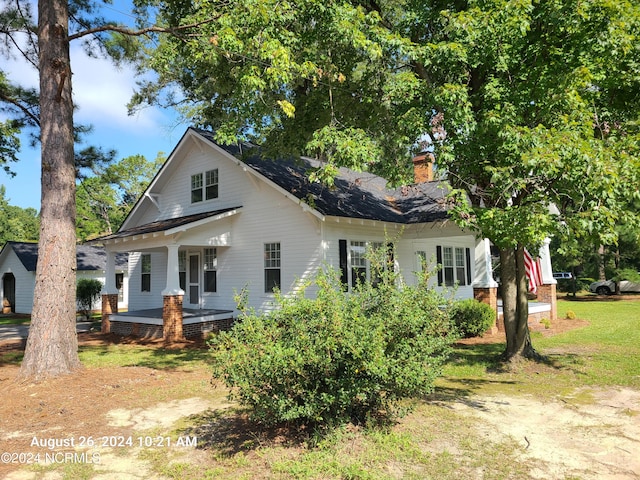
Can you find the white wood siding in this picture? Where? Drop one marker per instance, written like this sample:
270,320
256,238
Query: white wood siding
175,198
25,282
139,300
408,241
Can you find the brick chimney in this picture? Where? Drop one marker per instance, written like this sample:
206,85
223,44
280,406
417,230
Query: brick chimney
423,167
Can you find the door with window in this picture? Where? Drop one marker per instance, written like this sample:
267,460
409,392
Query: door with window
193,281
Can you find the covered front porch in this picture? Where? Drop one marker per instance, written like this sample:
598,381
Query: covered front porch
149,323
173,261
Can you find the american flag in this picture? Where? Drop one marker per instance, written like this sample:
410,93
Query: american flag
533,270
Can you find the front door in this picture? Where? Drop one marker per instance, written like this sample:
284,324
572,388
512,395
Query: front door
193,285
9,287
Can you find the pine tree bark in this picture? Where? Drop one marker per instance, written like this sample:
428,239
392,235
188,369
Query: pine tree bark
52,345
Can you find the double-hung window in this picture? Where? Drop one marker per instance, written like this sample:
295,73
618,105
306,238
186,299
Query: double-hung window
360,255
454,266
358,262
210,270
145,277
204,186
272,266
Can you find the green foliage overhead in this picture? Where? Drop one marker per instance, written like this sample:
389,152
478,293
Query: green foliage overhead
525,103
339,357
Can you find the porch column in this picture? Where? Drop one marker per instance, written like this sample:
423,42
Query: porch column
547,291
109,292
173,272
485,288
172,298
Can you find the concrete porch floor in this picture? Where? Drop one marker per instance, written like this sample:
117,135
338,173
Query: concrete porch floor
153,316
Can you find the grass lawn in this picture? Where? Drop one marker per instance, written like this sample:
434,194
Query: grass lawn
19,320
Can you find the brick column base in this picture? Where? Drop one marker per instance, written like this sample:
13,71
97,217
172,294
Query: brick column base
490,297
172,318
547,294
109,306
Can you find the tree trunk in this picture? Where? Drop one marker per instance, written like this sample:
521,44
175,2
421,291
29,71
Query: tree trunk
515,305
601,263
52,346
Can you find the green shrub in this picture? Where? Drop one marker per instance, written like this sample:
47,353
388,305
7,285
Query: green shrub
570,315
337,358
87,294
472,318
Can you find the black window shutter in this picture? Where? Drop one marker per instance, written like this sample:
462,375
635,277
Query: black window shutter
468,253
439,260
344,271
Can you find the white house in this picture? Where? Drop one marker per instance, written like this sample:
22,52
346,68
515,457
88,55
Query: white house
219,219
18,262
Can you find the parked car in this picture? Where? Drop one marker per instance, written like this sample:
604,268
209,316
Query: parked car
607,287
562,275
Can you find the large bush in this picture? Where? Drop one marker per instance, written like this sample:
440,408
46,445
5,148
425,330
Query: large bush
87,294
339,357
472,318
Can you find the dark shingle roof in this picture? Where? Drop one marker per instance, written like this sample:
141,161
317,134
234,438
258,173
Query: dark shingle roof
162,225
359,195
88,257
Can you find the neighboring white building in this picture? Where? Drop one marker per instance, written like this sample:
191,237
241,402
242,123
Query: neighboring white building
18,262
216,220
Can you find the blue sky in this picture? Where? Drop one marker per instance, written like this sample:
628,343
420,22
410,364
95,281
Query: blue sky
101,92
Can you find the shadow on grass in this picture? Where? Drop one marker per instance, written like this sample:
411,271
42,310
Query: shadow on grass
231,431
154,357
472,368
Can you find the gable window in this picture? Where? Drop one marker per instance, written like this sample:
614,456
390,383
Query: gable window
210,270
145,280
204,186
271,266
455,266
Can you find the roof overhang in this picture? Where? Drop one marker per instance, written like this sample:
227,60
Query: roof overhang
157,234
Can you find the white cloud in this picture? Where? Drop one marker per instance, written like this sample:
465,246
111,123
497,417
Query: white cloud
102,91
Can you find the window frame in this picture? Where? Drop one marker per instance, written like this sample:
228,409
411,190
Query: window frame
454,262
205,186
210,266
364,272
272,255
145,272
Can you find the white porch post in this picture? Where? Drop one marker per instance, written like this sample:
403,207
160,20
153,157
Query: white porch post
545,263
172,298
109,287
547,291
173,272
109,292
483,277
485,288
